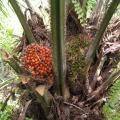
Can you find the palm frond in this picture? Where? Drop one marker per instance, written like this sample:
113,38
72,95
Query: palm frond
92,49
79,11
83,10
57,27
22,20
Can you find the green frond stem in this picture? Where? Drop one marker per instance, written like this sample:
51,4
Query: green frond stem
13,63
92,49
98,71
57,27
22,20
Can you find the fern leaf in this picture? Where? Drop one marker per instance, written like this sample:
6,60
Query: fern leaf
111,107
79,11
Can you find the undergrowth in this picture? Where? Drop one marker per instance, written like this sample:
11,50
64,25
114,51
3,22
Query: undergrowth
111,108
7,39
83,10
6,114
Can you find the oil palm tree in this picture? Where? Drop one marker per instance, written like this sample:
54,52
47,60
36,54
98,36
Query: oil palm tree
58,38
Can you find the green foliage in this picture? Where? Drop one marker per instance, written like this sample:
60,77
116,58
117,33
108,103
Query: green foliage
6,42
84,10
28,118
7,38
5,115
90,6
6,34
79,11
111,108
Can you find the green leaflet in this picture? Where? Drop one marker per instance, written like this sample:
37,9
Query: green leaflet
83,10
111,108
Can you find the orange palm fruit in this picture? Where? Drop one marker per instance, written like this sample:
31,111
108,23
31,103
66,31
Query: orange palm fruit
37,59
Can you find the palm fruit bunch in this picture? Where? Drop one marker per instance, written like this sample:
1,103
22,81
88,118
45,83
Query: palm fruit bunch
37,59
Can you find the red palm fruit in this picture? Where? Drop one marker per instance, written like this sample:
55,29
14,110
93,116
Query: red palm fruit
37,59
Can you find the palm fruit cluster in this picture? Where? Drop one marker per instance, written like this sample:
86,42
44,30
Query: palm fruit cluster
37,59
